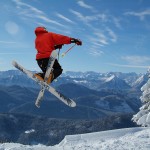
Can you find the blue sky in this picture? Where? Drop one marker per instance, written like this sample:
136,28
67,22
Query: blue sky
115,33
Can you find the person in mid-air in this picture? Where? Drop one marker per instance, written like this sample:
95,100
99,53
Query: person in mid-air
45,43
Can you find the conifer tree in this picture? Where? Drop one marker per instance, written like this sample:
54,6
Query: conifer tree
143,116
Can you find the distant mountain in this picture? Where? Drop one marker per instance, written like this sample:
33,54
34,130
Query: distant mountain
114,82
104,101
91,104
15,77
141,81
75,90
91,80
7,102
97,94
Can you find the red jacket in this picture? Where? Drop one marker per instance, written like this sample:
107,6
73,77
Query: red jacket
45,42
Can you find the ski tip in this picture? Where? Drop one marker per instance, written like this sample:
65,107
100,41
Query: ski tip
73,104
37,105
14,63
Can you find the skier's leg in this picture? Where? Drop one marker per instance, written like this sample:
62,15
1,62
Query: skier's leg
43,65
57,69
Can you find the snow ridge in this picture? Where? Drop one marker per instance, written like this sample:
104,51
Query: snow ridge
122,139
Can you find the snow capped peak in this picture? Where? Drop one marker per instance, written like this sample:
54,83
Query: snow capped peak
110,78
90,79
140,79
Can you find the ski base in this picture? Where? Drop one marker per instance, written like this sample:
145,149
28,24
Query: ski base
39,98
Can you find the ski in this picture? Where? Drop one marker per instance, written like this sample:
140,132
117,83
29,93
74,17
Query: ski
48,71
52,90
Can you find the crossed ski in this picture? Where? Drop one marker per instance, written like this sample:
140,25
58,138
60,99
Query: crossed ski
48,71
44,86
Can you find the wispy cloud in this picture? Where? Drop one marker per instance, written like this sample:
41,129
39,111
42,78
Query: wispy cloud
15,53
23,6
116,21
102,39
112,35
103,19
128,66
97,41
95,52
134,62
141,14
96,44
84,5
28,11
97,37
7,42
136,59
64,18
78,14
87,19
47,20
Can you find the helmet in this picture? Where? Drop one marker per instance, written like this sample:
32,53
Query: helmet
44,28
40,30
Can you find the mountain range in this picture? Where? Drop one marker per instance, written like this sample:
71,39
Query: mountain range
104,101
96,94
91,80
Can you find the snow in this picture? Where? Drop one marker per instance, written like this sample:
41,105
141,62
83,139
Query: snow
110,78
122,139
83,81
30,131
139,80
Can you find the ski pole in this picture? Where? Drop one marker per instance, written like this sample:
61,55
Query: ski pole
63,54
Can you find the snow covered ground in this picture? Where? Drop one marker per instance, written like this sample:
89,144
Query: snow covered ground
121,139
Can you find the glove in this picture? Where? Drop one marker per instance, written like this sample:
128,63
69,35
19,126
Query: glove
77,41
58,46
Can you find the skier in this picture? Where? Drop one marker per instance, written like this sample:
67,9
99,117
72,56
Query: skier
45,43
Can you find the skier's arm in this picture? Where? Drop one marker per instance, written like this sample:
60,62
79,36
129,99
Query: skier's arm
60,39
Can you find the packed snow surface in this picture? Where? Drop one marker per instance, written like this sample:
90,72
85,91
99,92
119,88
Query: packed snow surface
121,139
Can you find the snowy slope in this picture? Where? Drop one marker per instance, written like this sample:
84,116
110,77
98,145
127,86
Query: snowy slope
121,139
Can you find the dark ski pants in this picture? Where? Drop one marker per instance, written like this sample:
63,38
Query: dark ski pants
57,70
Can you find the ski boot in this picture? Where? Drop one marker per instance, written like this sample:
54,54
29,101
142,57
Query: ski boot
50,78
39,76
